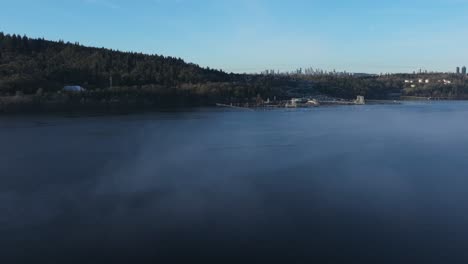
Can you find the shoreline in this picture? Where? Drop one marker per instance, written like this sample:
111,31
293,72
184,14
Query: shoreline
66,104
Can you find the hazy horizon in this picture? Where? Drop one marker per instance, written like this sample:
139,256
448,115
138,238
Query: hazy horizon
251,36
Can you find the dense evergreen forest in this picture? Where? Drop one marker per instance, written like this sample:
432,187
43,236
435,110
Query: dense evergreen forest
28,65
42,68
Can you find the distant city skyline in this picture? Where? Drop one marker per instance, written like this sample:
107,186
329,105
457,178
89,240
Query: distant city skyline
254,35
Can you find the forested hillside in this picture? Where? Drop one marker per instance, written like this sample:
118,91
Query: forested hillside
28,64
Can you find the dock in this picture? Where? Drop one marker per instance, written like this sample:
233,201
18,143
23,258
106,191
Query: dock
234,107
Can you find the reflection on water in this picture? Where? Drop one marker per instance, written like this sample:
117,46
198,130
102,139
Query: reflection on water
380,184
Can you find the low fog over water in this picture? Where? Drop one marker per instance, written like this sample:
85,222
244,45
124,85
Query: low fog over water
348,184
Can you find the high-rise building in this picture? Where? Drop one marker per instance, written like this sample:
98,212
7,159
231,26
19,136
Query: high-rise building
458,70
464,70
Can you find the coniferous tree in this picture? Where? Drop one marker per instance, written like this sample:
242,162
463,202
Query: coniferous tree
25,43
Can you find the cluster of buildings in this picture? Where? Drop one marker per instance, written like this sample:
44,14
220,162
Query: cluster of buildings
413,83
418,81
306,102
463,70
315,72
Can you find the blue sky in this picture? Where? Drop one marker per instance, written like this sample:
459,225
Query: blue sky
253,35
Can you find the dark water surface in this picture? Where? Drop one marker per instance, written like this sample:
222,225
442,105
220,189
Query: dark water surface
375,184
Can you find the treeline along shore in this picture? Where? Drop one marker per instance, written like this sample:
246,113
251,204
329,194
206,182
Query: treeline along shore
34,72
